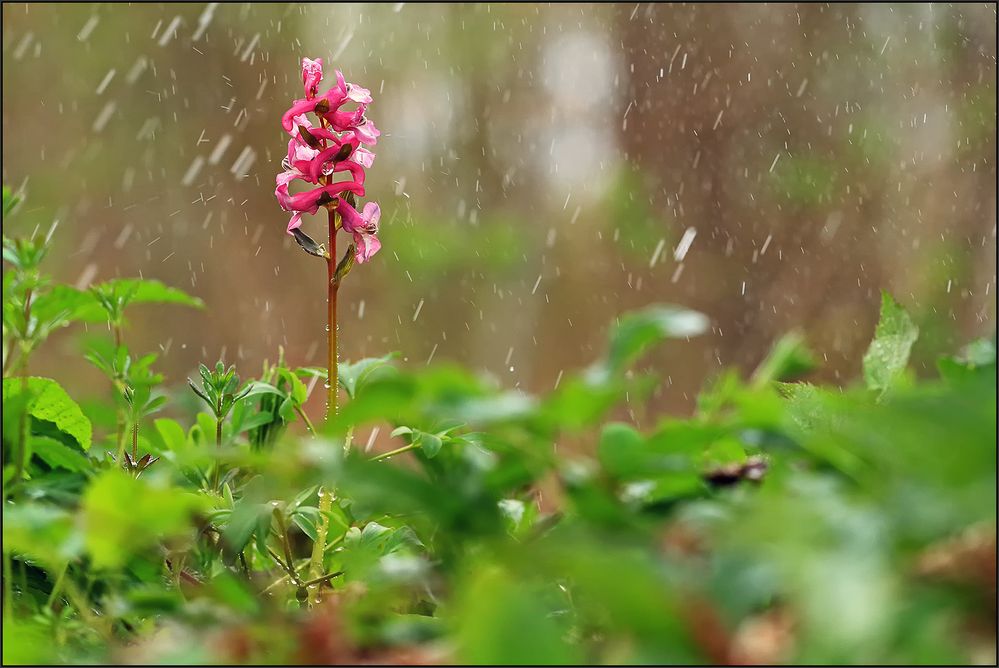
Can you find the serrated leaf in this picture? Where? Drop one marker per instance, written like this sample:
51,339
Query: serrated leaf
888,354
58,455
50,403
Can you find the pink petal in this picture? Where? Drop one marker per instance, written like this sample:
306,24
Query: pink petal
295,222
371,214
298,107
367,133
312,74
358,94
365,245
363,157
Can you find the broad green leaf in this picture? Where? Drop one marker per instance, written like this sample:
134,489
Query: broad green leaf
636,331
430,444
353,375
58,455
63,303
50,403
622,450
885,359
172,434
150,291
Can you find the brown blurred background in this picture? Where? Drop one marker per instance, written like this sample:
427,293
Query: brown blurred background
542,169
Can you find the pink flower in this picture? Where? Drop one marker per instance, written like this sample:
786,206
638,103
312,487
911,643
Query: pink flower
317,152
358,94
312,74
295,222
363,157
364,227
367,133
310,200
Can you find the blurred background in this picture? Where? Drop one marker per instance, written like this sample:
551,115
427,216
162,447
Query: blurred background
541,170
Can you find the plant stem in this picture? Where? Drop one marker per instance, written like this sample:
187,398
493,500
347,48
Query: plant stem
332,287
285,543
135,440
57,586
218,448
8,586
24,426
23,421
332,387
9,358
305,419
321,579
397,451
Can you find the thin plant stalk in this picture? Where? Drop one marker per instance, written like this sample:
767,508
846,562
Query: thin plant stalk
135,439
218,449
332,386
24,424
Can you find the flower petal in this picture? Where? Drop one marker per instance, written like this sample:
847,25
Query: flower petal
365,246
312,74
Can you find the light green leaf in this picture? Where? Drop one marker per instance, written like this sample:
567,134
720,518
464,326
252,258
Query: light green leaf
637,331
885,359
353,376
51,403
58,455
430,444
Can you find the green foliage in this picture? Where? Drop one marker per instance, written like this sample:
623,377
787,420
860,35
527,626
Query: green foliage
886,358
807,181
10,201
635,332
48,402
845,525
110,299
124,516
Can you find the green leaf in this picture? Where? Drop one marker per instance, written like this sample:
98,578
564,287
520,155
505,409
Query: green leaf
51,403
637,331
172,434
63,303
124,516
58,455
353,376
150,291
502,621
622,450
43,532
430,444
10,200
888,354
789,357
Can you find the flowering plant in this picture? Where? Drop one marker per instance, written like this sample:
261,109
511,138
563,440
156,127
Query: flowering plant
317,154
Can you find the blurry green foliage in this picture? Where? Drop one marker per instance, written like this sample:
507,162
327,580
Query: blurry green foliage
805,180
780,522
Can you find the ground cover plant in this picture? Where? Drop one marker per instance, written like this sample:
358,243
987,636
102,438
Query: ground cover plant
212,519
